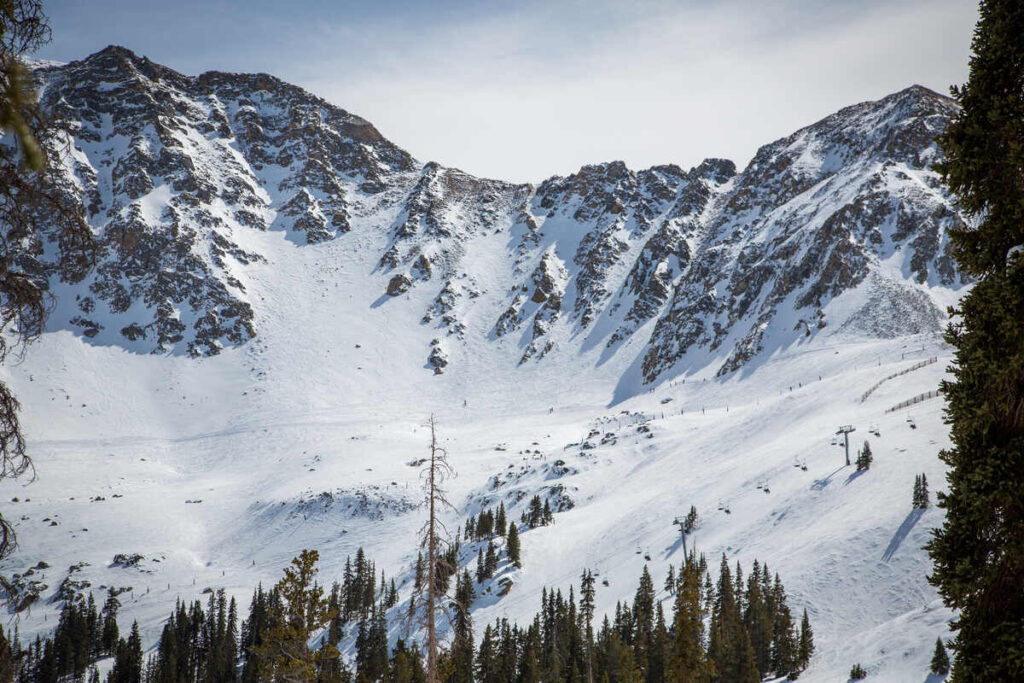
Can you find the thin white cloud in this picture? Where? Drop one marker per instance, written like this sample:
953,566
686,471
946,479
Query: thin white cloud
521,97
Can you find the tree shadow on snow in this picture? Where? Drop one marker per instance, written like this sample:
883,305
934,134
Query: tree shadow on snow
934,678
853,476
902,532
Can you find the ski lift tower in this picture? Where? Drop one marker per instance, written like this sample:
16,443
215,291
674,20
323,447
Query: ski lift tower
681,523
845,431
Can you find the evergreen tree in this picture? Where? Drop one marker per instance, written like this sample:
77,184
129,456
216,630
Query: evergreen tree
687,660
806,647
486,666
8,654
670,580
940,660
490,560
690,523
462,644
512,545
284,653
587,595
128,659
857,672
977,553
864,458
405,665
921,496
657,656
643,620
729,646
500,522
759,619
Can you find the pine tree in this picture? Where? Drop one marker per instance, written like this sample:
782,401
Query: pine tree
500,522
8,654
405,665
857,672
759,619
643,619
512,545
481,568
690,523
784,642
977,554
128,659
732,657
921,491
490,560
487,658
806,647
687,660
940,660
587,595
864,458
284,653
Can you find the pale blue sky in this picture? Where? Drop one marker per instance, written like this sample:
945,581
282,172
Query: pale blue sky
524,90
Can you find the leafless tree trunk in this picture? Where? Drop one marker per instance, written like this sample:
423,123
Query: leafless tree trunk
434,539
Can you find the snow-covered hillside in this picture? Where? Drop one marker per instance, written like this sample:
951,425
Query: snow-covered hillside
285,296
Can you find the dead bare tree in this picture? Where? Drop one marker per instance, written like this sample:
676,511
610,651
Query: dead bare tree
434,539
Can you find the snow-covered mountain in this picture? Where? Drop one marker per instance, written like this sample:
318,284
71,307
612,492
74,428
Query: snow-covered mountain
177,173
283,295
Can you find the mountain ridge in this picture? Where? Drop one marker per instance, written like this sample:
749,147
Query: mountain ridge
663,256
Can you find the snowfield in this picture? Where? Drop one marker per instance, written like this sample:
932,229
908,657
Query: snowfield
217,470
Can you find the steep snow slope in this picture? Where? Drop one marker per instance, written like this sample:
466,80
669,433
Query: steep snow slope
282,222
258,433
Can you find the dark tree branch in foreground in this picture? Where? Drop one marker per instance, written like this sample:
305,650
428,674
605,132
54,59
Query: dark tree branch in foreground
36,206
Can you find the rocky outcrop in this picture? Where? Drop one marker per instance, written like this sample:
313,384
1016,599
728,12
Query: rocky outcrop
171,169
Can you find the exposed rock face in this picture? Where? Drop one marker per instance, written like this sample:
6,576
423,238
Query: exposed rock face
438,358
811,218
171,169
399,284
547,283
681,268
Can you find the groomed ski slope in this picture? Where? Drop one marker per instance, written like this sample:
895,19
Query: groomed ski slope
333,396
